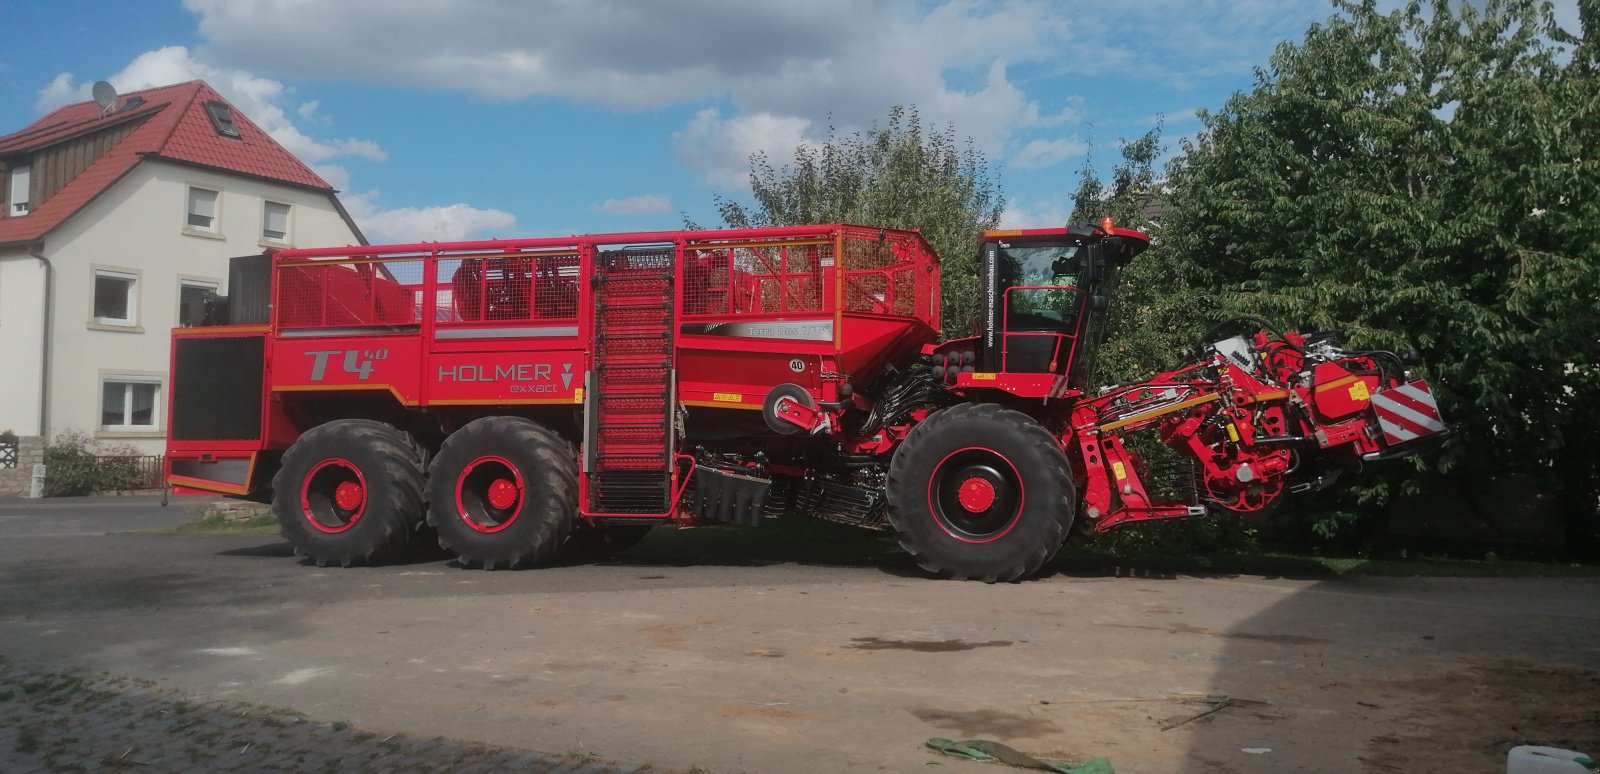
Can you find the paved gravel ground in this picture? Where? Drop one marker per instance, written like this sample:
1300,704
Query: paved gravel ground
79,721
775,660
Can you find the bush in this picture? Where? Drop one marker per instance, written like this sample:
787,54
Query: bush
78,465
1215,534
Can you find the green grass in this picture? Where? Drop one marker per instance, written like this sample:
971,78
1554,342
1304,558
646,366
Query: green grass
214,526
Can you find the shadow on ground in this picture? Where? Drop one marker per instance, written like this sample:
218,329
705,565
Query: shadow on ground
1380,675
813,542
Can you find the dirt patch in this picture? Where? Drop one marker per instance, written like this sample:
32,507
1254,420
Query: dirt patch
923,646
987,723
760,712
664,635
1466,720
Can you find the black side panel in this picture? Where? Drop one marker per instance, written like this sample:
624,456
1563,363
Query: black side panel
216,389
1031,354
249,289
990,296
724,495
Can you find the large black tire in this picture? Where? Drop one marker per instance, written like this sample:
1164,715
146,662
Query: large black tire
593,544
503,493
981,492
349,492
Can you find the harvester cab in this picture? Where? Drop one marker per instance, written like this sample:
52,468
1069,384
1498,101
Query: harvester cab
1045,292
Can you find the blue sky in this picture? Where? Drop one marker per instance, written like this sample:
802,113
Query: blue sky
444,120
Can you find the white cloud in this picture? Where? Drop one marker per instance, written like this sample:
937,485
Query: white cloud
1051,212
722,147
1039,154
629,55
262,99
60,91
450,222
650,204
786,68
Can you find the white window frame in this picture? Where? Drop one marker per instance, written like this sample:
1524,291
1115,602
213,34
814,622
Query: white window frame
133,279
189,202
126,378
204,283
288,224
21,180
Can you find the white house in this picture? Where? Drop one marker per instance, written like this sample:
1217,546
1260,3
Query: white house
114,219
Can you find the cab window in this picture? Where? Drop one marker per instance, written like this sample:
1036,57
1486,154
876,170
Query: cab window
1048,306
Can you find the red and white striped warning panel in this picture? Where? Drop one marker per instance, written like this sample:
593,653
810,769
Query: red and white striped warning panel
1407,412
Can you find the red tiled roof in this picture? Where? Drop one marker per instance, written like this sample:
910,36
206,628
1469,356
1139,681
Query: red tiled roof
173,125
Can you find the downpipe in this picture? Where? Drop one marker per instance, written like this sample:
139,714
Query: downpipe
45,359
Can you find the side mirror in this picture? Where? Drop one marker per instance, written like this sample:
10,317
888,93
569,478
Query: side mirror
1094,257
1099,303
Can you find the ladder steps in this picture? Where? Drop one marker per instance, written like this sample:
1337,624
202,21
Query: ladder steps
632,363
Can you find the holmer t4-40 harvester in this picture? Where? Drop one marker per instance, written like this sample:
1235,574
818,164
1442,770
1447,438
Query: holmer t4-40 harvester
529,398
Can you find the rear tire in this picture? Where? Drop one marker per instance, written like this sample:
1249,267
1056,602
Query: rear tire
981,492
349,492
503,493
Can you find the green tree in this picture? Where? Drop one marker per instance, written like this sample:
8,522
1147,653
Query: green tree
1133,191
1153,314
1424,178
897,174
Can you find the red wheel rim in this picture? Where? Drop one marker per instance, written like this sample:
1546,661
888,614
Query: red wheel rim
975,495
333,495
489,494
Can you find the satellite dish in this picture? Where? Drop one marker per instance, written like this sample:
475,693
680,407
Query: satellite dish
105,95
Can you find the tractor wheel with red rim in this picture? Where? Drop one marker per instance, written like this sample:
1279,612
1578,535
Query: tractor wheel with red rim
981,492
503,493
350,492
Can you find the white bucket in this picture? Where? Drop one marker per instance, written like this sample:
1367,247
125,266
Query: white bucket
1529,759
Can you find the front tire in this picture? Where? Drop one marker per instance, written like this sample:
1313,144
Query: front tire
349,492
503,493
981,492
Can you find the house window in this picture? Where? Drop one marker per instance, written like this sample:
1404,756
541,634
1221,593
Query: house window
116,301
192,295
21,178
130,402
202,209
222,118
275,222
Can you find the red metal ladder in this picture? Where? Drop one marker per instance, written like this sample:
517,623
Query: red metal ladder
628,455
